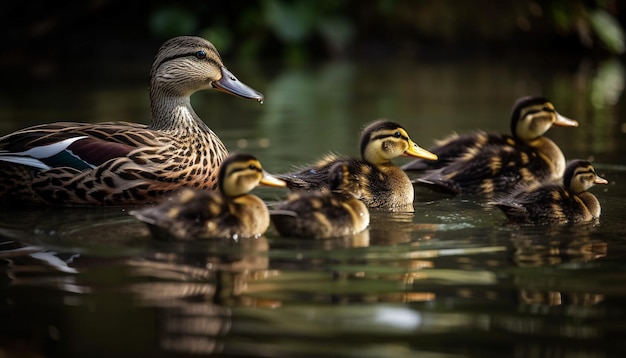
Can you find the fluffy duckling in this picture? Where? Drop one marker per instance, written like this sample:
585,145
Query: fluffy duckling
232,212
335,211
483,163
569,202
379,181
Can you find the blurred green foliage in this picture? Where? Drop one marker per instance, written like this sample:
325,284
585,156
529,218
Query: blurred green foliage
301,30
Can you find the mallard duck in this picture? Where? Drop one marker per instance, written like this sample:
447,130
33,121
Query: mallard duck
228,213
329,212
482,163
120,163
379,181
568,202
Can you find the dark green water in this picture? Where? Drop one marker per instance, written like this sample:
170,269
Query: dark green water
451,280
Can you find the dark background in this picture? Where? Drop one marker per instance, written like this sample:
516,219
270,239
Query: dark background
45,40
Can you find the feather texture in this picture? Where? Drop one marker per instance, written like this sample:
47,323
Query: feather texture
121,163
487,164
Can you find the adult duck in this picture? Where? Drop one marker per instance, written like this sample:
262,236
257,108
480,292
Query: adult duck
380,182
483,163
120,163
567,202
231,212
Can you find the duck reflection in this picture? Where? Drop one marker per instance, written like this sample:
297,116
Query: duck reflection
194,285
544,248
187,289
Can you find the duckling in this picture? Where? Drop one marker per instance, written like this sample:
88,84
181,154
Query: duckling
381,183
333,211
230,213
121,163
481,163
569,202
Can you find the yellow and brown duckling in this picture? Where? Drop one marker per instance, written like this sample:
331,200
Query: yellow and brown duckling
201,214
382,184
120,163
335,211
569,202
482,163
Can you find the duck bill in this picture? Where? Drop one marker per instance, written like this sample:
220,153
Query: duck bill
230,84
419,152
565,122
600,180
269,180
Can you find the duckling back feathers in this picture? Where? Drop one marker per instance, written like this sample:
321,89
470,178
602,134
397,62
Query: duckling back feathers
329,212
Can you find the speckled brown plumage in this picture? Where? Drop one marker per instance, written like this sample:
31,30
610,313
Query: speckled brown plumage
329,212
120,163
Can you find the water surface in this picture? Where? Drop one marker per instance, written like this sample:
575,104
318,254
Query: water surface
452,279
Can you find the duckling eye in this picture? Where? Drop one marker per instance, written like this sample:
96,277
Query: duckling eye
547,108
253,167
201,55
397,134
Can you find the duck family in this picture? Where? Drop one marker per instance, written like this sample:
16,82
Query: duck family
187,186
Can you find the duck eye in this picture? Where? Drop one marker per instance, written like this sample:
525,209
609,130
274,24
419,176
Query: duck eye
397,134
201,55
253,167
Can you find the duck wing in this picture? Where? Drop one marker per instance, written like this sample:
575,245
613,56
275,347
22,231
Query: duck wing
76,145
495,168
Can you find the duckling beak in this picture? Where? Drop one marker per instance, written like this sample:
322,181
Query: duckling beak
419,152
230,84
600,180
564,121
270,180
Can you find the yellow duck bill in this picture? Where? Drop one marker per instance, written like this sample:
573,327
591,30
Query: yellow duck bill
270,180
419,152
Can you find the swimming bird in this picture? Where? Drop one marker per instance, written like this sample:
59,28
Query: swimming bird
483,163
231,212
380,182
334,211
566,202
121,163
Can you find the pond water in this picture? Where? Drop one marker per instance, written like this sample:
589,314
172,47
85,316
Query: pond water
452,279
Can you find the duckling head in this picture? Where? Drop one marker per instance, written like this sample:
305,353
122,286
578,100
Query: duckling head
240,173
384,140
186,64
580,175
533,116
